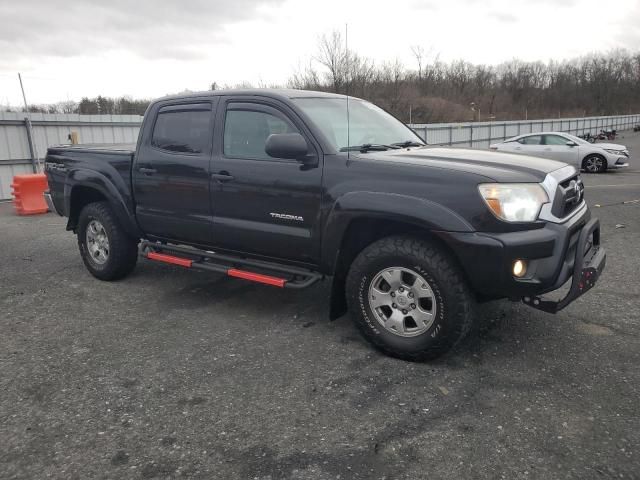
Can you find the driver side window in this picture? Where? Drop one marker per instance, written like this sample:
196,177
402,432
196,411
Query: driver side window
246,133
555,140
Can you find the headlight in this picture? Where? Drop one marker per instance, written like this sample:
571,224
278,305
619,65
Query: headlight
614,152
514,202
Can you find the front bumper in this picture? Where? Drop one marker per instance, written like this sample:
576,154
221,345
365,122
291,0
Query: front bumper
619,160
590,260
555,253
619,163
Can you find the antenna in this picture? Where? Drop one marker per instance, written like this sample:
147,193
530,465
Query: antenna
346,48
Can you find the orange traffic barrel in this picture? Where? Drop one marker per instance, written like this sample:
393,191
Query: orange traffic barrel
28,192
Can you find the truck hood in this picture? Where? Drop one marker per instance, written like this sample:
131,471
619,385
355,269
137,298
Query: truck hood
497,166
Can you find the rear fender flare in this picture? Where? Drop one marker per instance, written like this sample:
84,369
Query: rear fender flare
109,188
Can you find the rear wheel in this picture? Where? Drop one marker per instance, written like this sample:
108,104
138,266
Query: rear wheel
409,298
106,249
594,164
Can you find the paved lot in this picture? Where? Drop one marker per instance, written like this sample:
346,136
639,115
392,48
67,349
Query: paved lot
172,374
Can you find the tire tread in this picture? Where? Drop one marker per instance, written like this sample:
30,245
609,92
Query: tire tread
443,266
123,253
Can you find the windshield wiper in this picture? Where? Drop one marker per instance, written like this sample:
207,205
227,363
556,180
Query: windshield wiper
408,143
367,147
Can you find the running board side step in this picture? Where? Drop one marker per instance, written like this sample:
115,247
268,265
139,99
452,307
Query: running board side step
268,273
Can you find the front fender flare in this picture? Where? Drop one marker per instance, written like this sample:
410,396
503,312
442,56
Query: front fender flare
378,205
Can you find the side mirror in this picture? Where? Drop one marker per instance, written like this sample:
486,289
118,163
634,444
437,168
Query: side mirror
571,144
286,145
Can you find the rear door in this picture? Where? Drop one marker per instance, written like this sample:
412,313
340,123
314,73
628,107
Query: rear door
529,145
263,205
171,173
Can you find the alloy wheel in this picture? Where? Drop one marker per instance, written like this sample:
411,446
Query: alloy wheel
402,301
97,242
594,164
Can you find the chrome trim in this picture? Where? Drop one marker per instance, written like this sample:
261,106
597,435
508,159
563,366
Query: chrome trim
550,184
545,213
50,204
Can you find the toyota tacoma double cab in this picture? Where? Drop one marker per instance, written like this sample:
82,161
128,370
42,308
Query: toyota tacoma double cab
287,187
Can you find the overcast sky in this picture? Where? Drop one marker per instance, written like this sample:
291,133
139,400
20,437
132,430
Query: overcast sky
67,49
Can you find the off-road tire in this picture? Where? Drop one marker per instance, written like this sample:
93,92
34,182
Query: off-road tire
454,301
123,250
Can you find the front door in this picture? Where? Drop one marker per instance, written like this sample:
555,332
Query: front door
171,174
556,148
263,205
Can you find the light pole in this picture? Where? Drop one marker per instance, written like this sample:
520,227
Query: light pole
475,108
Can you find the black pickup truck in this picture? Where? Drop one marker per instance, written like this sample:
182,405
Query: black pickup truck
287,187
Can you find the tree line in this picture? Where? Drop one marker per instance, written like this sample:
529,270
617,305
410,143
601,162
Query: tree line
431,90
99,105
435,91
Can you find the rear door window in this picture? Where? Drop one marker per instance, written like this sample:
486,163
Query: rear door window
183,129
531,140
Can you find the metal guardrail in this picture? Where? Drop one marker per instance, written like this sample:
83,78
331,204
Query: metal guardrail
21,142
483,134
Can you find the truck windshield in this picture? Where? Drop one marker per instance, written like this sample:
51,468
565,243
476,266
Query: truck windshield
368,124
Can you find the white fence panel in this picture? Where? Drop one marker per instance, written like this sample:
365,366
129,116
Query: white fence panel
483,134
54,129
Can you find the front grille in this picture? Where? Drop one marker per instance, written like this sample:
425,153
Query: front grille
569,195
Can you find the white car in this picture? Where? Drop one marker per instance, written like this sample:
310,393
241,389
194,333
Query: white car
591,157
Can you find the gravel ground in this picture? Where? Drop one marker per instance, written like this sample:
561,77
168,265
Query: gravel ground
175,374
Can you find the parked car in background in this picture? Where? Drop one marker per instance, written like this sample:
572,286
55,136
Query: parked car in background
591,157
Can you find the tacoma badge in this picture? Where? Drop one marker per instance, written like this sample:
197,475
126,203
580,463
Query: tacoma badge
286,216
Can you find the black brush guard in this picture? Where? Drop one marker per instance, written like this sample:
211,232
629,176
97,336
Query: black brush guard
589,263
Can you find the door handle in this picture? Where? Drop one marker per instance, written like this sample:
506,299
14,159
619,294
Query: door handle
147,171
222,176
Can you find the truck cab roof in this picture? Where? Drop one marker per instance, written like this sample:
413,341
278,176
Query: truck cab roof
279,93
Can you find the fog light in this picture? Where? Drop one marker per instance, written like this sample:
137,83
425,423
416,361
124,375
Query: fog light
519,268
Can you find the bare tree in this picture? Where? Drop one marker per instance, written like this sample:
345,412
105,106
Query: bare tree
333,56
596,84
418,52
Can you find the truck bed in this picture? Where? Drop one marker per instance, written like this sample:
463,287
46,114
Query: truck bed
126,148
110,161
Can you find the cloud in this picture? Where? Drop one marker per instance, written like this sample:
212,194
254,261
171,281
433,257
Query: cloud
162,29
628,29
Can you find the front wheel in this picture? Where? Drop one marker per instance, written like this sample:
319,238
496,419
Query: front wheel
594,164
106,249
409,298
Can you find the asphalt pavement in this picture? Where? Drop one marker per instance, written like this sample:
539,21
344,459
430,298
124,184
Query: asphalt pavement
178,374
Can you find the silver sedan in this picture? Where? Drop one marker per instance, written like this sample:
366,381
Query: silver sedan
591,157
